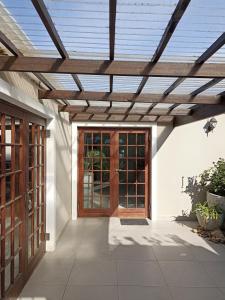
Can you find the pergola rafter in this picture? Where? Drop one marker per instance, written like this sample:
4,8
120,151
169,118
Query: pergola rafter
50,27
173,22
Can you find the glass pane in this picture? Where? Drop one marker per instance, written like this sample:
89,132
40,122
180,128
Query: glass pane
122,151
8,217
132,164
105,176
123,164
96,138
8,130
140,189
17,131
141,139
122,177
131,177
16,265
132,138
29,247
141,151
17,158
87,150
132,189
122,138
106,164
105,201
105,151
97,177
7,246
87,163
123,202
8,158
87,138
131,202
17,208
7,277
122,189
106,189
140,202
105,138
140,164
140,176
132,151
16,238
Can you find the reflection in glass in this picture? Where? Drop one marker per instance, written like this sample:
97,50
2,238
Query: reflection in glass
132,139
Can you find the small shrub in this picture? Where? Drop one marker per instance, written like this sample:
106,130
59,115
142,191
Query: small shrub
214,178
208,212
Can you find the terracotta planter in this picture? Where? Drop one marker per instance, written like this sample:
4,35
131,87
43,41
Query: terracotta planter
215,200
209,224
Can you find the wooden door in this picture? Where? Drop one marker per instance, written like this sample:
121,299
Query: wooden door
22,196
113,172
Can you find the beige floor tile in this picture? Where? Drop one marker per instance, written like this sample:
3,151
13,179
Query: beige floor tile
209,252
94,273
141,273
144,293
216,271
185,274
133,252
38,291
196,293
165,253
91,293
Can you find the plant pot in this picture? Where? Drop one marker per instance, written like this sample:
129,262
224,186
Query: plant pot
215,200
209,224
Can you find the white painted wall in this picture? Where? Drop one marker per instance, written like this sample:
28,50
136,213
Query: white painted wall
184,151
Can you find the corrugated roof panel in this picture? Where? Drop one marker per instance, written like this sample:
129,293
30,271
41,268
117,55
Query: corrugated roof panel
203,22
126,83
158,85
98,83
189,85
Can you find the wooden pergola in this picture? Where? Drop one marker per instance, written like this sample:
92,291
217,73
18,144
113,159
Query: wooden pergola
203,106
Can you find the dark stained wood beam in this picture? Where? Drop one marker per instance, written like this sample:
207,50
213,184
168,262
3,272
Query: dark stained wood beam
107,67
112,31
170,28
50,27
206,86
130,97
73,109
175,84
175,19
200,113
212,49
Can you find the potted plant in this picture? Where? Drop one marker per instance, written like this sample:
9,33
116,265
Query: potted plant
214,181
209,218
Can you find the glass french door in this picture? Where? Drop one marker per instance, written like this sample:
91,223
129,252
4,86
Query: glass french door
22,196
113,173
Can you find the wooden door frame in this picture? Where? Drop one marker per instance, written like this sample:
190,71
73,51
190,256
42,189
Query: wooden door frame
115,211
26,117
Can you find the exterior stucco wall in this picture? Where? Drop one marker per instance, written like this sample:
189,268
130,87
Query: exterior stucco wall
61,134
182,154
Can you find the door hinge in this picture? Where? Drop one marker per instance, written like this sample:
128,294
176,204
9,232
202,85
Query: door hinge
48,133
47,236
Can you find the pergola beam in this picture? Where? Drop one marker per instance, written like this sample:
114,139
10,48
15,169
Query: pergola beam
170,28
206,86
130,97
72,109
50,27
107,67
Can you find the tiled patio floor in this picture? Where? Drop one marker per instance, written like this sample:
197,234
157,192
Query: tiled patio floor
99,259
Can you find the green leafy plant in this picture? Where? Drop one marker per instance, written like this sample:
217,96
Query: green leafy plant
208,212
96,156
214,178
